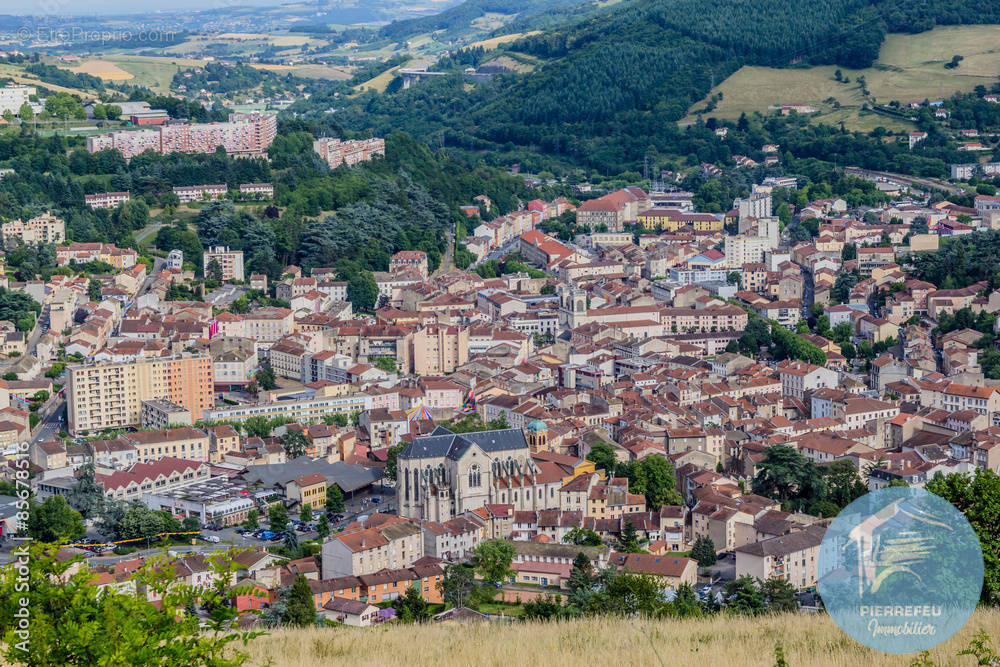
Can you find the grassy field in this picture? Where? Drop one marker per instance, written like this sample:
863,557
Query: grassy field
18,75
812,641
909,67
503,39
380,82
103,70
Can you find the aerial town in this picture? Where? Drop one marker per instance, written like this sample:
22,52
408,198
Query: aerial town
578,333
616,395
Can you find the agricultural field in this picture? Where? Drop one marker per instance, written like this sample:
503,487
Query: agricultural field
503,39
718,640
18,75
909,67
380,82
103,70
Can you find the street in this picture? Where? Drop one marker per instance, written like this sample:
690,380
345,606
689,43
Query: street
51,420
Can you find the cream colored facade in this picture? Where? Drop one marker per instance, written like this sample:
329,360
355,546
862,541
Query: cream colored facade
110,395
439,350
44,229
267,325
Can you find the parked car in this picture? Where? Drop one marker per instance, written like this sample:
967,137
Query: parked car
376,500
267,535
214,539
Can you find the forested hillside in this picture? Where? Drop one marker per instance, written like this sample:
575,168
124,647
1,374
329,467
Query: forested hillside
610,87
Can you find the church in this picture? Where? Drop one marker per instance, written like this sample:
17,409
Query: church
444,474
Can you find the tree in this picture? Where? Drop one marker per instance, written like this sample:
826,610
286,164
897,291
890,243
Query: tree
74,622
685,604
978,498
779,595
26,113
334,499
703,551
295,443
787,475
582,537
278,516
457,584
266,379
412,607
849,252
323,526
301,609
744,597
392,461
306,513
655,478
214,270
387,364
628,541
603,456
253,519
87,495
190,524
843,484
362,291
581,577
492,560
54,521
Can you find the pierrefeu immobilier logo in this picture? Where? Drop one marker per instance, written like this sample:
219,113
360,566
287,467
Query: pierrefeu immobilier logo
900,570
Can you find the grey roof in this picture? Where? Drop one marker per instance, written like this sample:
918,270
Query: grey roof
786,544
347,477
442,442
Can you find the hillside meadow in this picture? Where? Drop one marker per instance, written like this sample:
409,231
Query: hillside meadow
909,67
812,640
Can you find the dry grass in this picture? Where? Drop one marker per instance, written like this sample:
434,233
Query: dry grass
493,43
717,641
102,69
909,67
382,81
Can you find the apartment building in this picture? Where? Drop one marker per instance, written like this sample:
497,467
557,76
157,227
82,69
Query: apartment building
230,262
245,133
409,259
742,249
82,253
182,443
43,229
336,152
790,557
106,199
13,97
305,410
189,193
268,325
798,377
391,546
110,395
438,350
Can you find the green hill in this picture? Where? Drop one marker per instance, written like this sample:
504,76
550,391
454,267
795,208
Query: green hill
611,86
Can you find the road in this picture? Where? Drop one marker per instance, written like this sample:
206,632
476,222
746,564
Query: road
158,264
143,234
927,183
51,420
448,260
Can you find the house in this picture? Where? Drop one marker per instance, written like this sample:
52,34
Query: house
350,612
670,571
